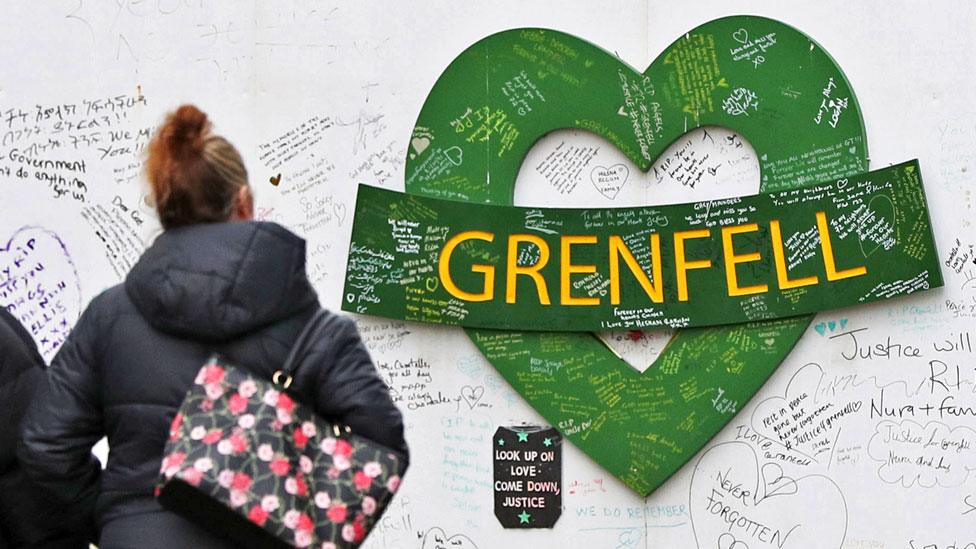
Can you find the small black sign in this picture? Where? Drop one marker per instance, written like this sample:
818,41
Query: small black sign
528,476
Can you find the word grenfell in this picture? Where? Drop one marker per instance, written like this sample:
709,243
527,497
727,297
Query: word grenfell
618,252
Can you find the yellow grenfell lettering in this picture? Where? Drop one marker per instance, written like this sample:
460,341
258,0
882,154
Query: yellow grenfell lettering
567,269
828,254
617,250
731,260
444,268
681,266
652,283
531,271
779,256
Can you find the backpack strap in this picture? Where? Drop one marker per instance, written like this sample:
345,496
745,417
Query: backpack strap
285,375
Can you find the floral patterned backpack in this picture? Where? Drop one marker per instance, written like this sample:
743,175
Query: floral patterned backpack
248,462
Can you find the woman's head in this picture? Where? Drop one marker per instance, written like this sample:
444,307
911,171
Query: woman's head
196,177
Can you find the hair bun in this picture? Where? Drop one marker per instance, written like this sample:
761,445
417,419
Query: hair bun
195,176
185,130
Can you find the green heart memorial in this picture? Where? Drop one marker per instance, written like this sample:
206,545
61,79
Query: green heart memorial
739,277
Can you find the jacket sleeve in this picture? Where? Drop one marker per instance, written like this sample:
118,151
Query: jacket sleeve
63,422
29,345
350,390
15,396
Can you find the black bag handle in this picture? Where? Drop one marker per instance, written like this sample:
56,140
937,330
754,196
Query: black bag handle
284,376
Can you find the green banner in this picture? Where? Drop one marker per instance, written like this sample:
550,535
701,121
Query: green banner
760,257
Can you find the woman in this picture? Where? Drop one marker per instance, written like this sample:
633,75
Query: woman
213,281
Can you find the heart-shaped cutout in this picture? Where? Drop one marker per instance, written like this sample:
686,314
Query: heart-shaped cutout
640,427
719,162
728,541
706,163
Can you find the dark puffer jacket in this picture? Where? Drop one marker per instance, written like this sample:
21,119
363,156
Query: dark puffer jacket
27,518
237,288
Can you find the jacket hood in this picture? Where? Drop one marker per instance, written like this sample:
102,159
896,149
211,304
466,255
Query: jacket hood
217,281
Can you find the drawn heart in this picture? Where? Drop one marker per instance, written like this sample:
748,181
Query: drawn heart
275,179
728,541
39,285
741,36
609,180
883,218
637,348
436,538
735,501
455,155
472,395
641,427
822,327
776,483
339,209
